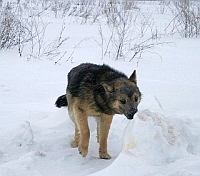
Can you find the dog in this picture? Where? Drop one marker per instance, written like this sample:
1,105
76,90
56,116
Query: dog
99,91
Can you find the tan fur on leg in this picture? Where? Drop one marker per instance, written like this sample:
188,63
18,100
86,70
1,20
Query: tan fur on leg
98,128
75,143
82,123
105,122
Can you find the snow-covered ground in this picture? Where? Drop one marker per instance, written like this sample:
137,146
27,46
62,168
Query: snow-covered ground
163,139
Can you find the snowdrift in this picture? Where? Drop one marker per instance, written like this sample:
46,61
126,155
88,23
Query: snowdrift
157,145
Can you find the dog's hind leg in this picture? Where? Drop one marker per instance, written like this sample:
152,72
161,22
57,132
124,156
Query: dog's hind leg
71,101
105,122
75,143
82,124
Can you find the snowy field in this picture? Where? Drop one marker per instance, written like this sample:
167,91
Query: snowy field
162,140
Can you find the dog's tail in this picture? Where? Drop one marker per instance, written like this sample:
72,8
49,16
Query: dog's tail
61,101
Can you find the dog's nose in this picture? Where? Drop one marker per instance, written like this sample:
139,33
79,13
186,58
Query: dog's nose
130,117
131,114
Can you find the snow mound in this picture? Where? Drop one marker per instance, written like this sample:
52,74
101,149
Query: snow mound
23,136
159,139
155,144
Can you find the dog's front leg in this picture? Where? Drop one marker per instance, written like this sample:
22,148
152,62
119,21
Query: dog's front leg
105,122
84,136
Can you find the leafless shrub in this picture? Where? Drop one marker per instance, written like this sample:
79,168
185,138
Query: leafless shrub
12,31
60,8
128,33
37,45
92,11
70,57
163,6
186,19
52,50
23,27
131,33
37,30
85,11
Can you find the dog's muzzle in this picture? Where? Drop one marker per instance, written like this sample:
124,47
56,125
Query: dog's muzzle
131,114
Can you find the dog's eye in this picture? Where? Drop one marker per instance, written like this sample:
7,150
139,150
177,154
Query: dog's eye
136,99
123,101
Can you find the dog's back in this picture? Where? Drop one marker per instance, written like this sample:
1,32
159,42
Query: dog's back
87,76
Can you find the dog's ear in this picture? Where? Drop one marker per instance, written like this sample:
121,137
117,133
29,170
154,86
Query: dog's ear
133,77
103,89
108,88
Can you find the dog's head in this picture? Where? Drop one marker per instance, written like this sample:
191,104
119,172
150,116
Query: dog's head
124,95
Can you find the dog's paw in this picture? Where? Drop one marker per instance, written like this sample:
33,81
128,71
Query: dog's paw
74,144
83,151
104,156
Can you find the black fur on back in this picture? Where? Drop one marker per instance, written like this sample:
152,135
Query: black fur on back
90,76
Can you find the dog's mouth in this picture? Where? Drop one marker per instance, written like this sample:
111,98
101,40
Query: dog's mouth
130,115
